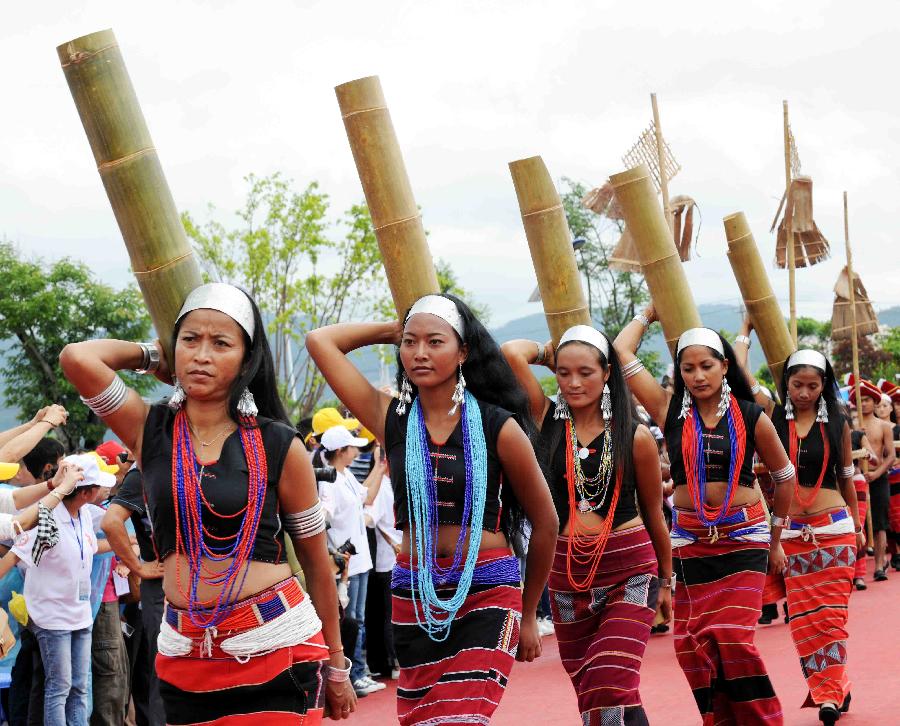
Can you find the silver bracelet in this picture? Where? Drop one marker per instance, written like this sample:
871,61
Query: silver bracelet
629,370
755,388
307,523
541,354
847,471
109,400
780,521
339,675
642,319
745,339
784,474
667,583
150,361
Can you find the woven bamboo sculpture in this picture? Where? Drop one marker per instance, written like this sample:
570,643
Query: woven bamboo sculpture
841,315
810,245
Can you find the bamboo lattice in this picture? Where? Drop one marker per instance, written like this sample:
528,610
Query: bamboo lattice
841,315
645,151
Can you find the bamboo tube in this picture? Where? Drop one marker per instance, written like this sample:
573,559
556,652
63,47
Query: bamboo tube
853,335
759,298
161,257
550,244
660,260
395,215
788,225
661,160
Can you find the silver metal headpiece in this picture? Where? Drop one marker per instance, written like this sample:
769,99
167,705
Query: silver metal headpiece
443,308
808,357
585,334
226,299
700,336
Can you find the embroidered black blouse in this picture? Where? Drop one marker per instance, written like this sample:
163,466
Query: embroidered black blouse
810,453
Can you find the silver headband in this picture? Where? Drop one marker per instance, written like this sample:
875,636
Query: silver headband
700,336
443,308
807,357
226,299
585,334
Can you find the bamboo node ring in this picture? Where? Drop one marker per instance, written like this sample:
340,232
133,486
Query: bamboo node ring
543,211
397,221
106,165
566,312
164,265
80,56
363,110
630,181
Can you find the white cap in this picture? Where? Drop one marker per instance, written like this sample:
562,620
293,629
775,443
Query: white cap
93,476
337,437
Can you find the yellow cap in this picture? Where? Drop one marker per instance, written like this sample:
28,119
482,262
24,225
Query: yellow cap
325,418
8,471
364,433
102,465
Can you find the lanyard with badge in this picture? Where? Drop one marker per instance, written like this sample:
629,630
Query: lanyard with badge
84,577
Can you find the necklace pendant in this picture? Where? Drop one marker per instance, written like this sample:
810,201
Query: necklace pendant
583,453
584,506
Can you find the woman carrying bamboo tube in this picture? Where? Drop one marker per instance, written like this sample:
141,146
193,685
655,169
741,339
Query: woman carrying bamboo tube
464,473
825,527
720,537
610,568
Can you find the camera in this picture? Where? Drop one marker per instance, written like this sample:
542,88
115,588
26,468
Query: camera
347,548
325,473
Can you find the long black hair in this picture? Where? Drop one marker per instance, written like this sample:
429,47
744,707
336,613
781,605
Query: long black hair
257,371
737,380
836,412
490,379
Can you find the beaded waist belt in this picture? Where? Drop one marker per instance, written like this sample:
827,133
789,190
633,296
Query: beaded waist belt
685,520
493,571
807,527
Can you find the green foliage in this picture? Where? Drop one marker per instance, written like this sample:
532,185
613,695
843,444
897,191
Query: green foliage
549,384
764,377
812,333
41,310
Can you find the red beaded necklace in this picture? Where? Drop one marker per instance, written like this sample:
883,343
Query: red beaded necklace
794,454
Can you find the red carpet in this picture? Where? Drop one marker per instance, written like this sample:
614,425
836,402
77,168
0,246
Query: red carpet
541,689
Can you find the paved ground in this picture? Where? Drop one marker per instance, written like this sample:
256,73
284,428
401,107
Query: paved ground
541,690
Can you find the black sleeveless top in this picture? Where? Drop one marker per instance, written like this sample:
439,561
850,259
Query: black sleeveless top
716,445
224,485
449,468
896,432
553,442
810,453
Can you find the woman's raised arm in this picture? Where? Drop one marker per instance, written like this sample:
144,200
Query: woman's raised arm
521,355
653,397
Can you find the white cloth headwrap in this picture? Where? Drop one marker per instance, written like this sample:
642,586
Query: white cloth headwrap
226,299
700,336
585,334
442,307
807,357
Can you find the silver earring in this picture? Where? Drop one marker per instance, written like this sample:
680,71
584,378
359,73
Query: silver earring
725,400
562,407
606,406
247,404
822,414
686,403
176,400
459,393
405,397
788,409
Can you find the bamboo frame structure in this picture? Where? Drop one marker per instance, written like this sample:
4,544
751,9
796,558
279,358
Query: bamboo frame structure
851,311
550,244
395,215
759,297
792,271
661,156
660,261
161,256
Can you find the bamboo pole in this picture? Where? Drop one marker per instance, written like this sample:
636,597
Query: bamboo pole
550,244
661,160
161,257
788,226
659,257
759,297
853,336
395,215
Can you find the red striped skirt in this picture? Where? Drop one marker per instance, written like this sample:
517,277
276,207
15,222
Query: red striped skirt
459,680
211,687
602,632
819,580
718,597
894,510
862,502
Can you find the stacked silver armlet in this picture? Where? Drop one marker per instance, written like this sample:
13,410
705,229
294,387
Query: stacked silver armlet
307,523
847,472
150,361
783,475
642,319
755,388
339,675
109,400
745,339
629,370
541,357
780,521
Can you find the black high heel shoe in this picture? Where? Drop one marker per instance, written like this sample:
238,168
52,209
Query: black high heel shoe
829,714
845,706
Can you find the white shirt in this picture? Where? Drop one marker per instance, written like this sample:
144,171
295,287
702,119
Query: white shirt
7,512
57,591
382,513
342,501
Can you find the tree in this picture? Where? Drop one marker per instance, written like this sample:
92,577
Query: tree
890,344
873,362
41,310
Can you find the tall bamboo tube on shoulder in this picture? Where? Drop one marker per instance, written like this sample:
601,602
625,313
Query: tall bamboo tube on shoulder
550,244
395,215
759,297
161,256
660,261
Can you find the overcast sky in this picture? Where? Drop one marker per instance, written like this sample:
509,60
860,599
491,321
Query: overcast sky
239,87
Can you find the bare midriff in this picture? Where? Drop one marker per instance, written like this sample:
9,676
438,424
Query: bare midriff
826,499
715,495
260,576
594,522
448,534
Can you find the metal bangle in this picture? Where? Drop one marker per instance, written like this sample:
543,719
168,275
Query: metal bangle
847,471
642,319
667,583
541,354
745,339
755,388
151,359
109,400
780,521
339,675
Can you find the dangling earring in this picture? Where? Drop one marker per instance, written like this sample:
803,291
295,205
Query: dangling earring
725,400
686,403
788,409
822,413
606,406
562,407
176,400
247,404
459,393
405,396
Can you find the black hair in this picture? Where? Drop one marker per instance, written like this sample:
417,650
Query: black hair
624,413
330,456
737,380
304,427
74,493
46,451
257,373
490,379
837,413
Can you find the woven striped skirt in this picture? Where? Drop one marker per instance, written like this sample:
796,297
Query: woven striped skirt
821,554
211,676
862,503
602,632
459,680
894,510
718,596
